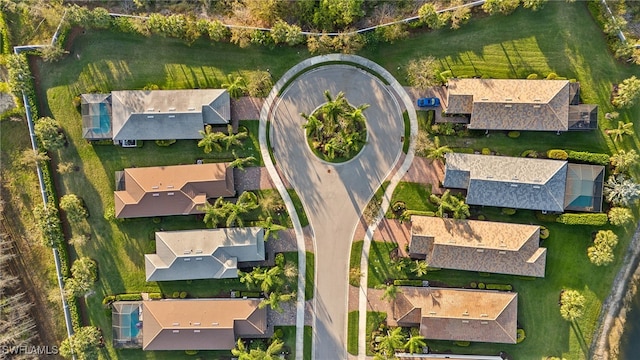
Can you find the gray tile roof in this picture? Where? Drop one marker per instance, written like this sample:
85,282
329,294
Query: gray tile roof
473,245
203,254
167,114
512,182
511,104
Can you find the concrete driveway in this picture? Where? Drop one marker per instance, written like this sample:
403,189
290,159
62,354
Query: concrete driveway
334,195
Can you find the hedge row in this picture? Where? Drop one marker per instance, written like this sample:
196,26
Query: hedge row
5,41
20,79
583,219
128,297
407,282
588,157
501,287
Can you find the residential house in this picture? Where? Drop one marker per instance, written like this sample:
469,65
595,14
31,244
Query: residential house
203,254
473,245
153,114
190,324
170,190
459,314
516,104
525,183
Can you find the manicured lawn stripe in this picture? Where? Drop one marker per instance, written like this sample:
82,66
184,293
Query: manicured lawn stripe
309,276
352,332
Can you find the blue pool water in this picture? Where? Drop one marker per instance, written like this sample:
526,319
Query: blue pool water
101,120
134,321
581,201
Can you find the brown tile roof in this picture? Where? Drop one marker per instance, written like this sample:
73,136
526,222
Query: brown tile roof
511,104
459,314
200,324
171,190
473,245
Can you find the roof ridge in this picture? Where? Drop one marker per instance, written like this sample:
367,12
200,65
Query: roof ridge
502,312
153,336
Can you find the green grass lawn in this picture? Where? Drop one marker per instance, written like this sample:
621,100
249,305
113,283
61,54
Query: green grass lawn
309,286
354,260
307,340
352,332
289,339
414,195
374,319
302,215
407,132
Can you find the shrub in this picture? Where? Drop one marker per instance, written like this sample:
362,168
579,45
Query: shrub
128,297
279,260
407,282
481,217
155,296
532,76
165,142
546,217
557,154
108,299
501,287
191,352
529,153
619,216
462,343
588,157
183,294
486,151
513,134
552,76
278,333
481,285
583,219
520,336
544,233
157,220
464,150
473,285
175,295
508,211
407,214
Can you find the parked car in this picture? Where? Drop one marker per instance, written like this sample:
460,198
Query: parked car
429,102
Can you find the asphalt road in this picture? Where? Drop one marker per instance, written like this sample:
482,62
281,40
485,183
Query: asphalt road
334,195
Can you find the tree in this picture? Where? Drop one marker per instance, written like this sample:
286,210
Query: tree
424,72
246,202
435,150
332,14
52,53
210,140
622,130
392,33
49,133
271,229
628,92
621,191
571,305
313,126
84,272
31,158
235,85
606,238
460,15
268,278
271,353
619,216
65,168
429,16
394,339
505,7
73,207
390,292
420,268
230,139
83,344
534,5
624,160
600,255
281,32
239,162
415,344
259,84
449,203
275,299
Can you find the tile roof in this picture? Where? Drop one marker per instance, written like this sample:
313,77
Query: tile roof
483,246
511,104
200,324
203,254
167,114
171,190
459,314
513,182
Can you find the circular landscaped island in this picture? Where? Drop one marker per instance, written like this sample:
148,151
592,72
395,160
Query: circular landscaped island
336,131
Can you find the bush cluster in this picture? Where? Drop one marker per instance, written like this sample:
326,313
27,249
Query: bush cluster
588,157
128,297
407,282
501,287
557,154
583,219
513,134
155,296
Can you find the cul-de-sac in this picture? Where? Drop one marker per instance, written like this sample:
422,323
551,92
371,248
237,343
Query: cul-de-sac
319,179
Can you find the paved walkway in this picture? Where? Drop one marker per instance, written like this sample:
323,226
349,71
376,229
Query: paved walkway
252,178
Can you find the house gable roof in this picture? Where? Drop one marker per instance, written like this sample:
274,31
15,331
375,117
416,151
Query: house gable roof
167,114
459,314
171,190
200,324
203,254
521,183
511,104
483,246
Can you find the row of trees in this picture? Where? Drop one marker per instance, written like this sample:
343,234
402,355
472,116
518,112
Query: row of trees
397,339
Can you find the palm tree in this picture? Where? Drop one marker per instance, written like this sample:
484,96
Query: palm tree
214,214
435,151
235,85
330,148
420,268
313,126
441,202
390,292
272,351
332,110
571,305
242,353
275,299
623,129
393,340
271,229
246,278
269,278
355,117
231,139
458,208
239,162
210,140
245,203
624,160
415,344
621,191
